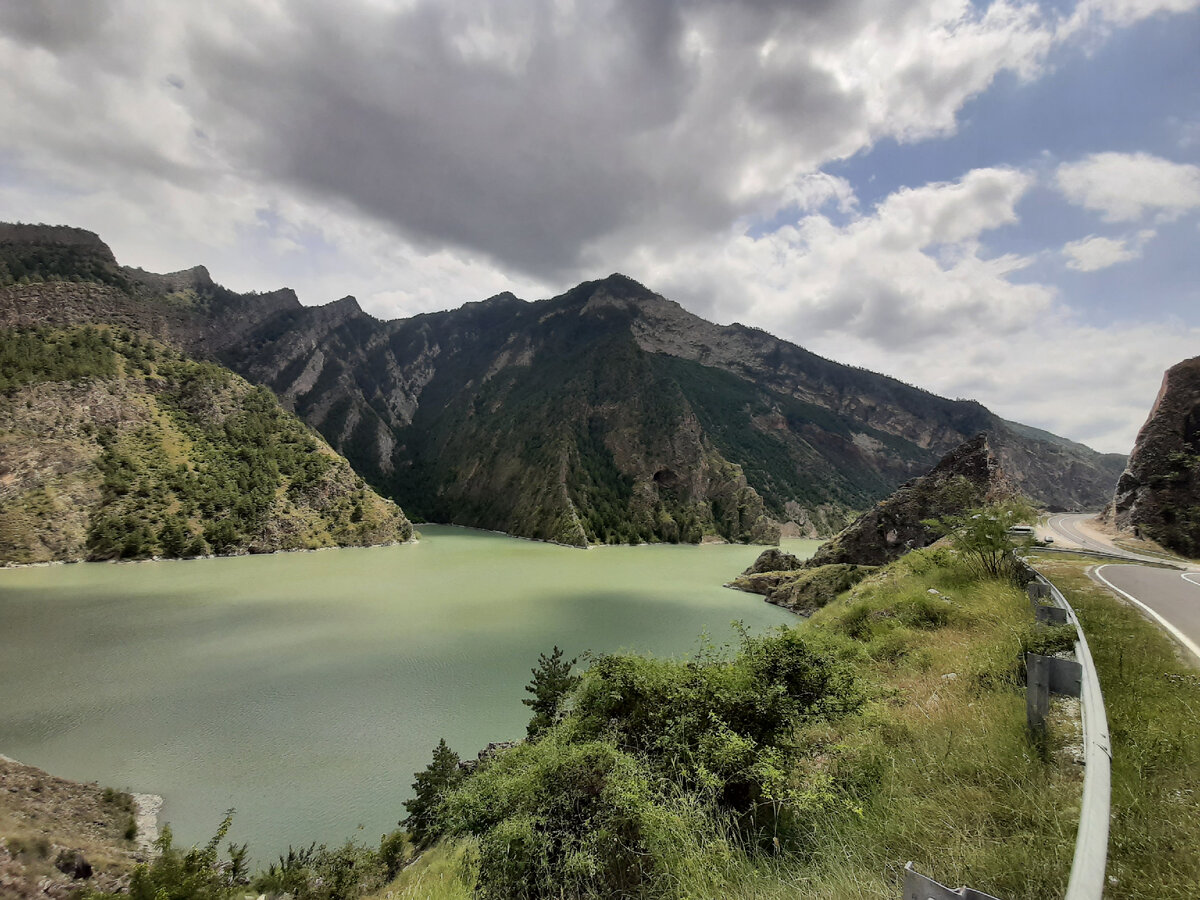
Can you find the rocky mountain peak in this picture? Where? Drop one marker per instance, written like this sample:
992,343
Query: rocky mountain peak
63,235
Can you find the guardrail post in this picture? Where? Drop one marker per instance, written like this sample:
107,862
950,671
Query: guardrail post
1037,692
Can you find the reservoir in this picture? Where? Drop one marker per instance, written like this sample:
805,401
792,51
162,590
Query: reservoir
305,689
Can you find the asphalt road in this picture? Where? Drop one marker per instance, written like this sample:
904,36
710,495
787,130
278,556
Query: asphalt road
1066,532
1170,597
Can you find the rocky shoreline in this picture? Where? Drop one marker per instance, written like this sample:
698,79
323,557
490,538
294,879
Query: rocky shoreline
131,562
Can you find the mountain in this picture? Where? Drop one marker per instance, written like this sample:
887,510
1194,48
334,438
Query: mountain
115,445
608,413
1158,495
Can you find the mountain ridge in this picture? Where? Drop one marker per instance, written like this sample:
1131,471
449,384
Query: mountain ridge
606,413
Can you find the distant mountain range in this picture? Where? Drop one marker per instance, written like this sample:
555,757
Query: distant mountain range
606,414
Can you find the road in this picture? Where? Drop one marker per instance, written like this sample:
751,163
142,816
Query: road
1067,531
1168,596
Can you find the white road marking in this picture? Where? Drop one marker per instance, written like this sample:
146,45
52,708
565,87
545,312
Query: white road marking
1188,576
1175,632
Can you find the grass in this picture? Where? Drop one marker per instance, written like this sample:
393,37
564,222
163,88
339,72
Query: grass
1152,698
939,768
443,872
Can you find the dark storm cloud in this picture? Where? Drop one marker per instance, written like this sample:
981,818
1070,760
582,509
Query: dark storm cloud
530,133
54,24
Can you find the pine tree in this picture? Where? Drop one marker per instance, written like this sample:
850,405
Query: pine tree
552,681
429,789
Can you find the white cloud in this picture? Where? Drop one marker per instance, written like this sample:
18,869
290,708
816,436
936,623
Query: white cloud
546,137
1093,252
912,270
1124,187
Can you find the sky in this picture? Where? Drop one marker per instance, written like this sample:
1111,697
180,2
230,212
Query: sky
991,200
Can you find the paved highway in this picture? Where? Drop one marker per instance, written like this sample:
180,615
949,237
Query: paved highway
1168,596
1067,531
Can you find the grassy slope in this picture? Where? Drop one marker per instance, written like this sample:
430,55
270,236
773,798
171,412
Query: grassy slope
116,446
1152,697
935,769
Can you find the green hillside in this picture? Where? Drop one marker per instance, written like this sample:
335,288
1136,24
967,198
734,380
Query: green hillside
115,446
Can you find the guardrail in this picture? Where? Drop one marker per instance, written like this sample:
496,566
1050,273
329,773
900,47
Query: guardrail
1101,554
1086,881
1091,841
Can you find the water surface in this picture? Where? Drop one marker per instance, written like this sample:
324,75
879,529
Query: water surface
305,689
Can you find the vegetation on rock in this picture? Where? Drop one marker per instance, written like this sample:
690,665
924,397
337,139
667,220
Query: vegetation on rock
120,447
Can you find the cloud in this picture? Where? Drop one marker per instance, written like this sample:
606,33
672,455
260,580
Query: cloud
548,137
1104,15
911,270
1124,187
1093,252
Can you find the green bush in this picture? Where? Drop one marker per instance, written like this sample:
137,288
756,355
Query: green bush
569,817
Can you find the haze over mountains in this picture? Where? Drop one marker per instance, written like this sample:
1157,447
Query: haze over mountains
608,413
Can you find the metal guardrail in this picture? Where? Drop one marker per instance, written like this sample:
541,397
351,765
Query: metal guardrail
1103,554
1091,841
1086,881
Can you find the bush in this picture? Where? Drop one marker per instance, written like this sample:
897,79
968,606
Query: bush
569,817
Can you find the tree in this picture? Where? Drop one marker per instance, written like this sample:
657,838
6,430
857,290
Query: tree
429,791
982,537
552,681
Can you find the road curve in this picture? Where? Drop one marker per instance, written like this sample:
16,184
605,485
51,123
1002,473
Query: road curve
1064,528
1170,597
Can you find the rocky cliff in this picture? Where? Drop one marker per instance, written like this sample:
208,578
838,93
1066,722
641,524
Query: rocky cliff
1158,495
608,413
968,476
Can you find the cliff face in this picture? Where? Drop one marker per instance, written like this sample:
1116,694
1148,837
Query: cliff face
1158,495
968,476
607,413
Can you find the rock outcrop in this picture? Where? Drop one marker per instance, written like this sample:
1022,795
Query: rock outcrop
801,590
774,560
1158,495
968,476
61,838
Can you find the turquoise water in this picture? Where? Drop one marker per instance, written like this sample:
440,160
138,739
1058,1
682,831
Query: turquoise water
304,689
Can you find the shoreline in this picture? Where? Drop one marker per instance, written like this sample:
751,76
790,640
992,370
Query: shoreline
133,562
